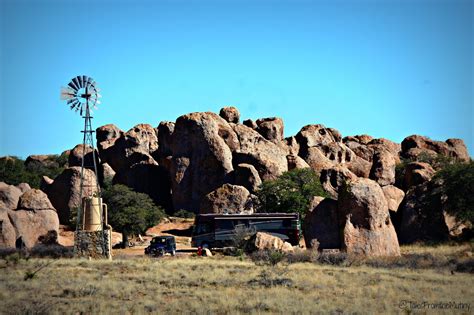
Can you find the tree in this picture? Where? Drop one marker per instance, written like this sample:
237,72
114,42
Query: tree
458,187
130,212
291,192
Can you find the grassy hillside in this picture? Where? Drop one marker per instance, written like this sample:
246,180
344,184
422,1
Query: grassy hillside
225,285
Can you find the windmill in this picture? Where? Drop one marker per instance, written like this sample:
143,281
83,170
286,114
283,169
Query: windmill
82,95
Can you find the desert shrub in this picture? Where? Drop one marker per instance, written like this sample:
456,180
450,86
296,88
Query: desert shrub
465,265
291,192
302,255
184,214
267,257
51,251
242,236
330,258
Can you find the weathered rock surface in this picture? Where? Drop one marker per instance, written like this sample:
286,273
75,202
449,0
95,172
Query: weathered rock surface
383,168
165,140
417,173
250,123
9,196
394,197
35,199
227,199
363,211
24,187
75,156
332,179
267,157
271,128
30,225
415,145
230,114
265,241
7,230
151,179
64,192
322,224
202,157
246,175
295,162
107,171
135,146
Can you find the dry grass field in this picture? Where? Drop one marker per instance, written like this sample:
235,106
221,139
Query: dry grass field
229,285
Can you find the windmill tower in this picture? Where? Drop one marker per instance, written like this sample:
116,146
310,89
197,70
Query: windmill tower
93,235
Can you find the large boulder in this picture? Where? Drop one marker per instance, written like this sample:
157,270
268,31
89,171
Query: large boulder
9,196
230,114
165,139
227,199
296,162
265,241
246,175
417,173
202,157
383,168
24,187
321,223
268,158
79,151
35,199
363,211
271,128
64,192
30,225
415,145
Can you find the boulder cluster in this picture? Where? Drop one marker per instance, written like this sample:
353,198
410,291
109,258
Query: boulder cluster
209,163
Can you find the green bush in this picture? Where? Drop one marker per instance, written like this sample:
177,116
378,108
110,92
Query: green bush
291,192
130,212
458,187
13,170
184,214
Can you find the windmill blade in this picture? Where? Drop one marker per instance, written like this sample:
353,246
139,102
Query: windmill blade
84,81
67,93
73,86
77,82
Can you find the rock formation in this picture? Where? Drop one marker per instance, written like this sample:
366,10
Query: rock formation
227,199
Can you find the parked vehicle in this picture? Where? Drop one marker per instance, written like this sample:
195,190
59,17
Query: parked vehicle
219,230
161,245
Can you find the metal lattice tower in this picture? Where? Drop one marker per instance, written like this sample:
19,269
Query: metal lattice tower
81,95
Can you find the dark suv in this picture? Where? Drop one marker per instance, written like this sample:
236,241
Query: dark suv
161,245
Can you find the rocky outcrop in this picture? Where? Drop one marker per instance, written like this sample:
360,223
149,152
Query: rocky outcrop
9,196
165,140
383,168
151,179
227,199
252,148
64,192
424,216
41,161
417,173
322,224
34,217
202,158
271,128
35,199
363,211
295,162
230,114
332,179
246,175
24,187
415,145
76,154
135,146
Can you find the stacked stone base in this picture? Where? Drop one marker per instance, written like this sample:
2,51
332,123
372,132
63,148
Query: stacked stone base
97,244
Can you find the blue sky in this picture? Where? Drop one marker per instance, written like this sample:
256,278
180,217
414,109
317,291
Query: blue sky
385,68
